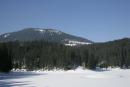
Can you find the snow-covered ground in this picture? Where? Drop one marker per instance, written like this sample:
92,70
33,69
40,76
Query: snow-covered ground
72,78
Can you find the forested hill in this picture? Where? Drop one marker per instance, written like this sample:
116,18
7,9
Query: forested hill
38,34
34,55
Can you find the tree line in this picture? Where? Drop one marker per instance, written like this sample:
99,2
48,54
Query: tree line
45,55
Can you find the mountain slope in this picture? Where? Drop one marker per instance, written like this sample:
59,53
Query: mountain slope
50,35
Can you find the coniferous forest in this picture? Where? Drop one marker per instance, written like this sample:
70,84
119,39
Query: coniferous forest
45,55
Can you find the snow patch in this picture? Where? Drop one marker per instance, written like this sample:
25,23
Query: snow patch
18,70
74,43
78,42
6,35
48,30
54,31
40,30
70,44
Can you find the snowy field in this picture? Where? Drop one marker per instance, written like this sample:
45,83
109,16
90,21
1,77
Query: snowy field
71,78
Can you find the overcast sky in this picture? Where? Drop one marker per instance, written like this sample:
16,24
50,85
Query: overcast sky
97,20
